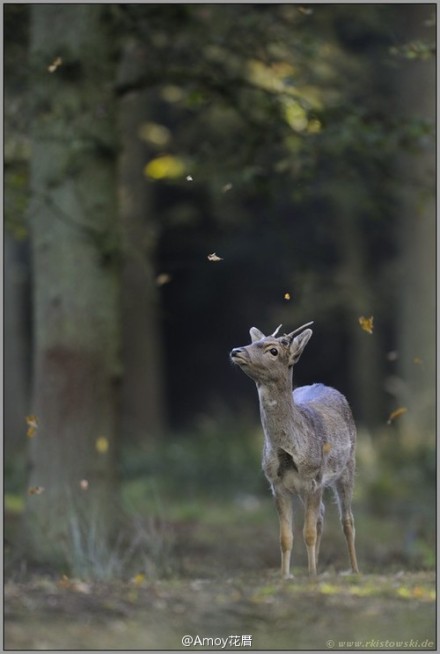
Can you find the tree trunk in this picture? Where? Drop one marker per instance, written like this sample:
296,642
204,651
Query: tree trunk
417,329
142,406
76,300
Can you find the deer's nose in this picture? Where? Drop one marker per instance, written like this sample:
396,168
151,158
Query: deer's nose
235,351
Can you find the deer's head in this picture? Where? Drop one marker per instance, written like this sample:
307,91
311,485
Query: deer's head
269,358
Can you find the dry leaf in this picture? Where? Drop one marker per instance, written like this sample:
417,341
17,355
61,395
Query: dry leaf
55,64
84,484
396,413
32,424
214,257
101,445
76,585
366,324
35,490
287,296
326,448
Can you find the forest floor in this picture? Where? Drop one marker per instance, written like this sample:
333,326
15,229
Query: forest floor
226,589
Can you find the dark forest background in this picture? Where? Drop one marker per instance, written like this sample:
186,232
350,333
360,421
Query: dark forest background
295,142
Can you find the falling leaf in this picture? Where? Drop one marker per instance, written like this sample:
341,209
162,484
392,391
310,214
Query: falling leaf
366,324
287,296
163,278
32,424
326,448
189,178
417,361
227,187
101,445
84,484
35,490
305,11
214,257
396,413
165,167
54,65
138,579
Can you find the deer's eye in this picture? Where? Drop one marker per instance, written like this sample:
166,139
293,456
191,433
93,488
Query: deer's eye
274,351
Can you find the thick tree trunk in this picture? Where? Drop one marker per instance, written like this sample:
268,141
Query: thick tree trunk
76,302
16,343
142,406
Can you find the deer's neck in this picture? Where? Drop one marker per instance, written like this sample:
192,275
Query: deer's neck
282,422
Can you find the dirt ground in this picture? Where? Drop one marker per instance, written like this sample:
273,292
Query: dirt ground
227,589
332,612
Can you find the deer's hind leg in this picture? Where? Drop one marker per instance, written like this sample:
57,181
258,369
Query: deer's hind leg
344,493
283,503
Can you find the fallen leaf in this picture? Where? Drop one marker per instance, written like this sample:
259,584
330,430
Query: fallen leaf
326,448
32,424
138,579
76,585
35,490
214,257
101,445
396,413
366,324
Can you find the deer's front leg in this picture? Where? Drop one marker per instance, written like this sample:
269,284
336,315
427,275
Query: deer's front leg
313,509
283,503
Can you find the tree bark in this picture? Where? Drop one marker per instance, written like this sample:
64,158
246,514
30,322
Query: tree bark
76,289
415,94
142,406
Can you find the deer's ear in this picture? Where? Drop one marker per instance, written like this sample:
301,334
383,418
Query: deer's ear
297,346
256,335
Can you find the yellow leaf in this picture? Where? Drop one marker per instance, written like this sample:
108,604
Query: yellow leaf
366,324
326,448
32,424
138,579
287,296
396,413
101,445
165,167
35,490
214,257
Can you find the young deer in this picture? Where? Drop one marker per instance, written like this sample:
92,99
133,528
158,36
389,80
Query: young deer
309,440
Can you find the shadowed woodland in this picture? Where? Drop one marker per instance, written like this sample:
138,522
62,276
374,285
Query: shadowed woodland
174,175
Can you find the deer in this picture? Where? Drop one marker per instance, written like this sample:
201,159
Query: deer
309,441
